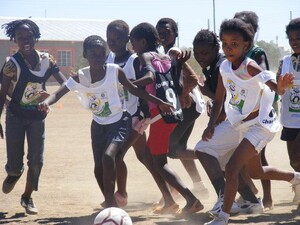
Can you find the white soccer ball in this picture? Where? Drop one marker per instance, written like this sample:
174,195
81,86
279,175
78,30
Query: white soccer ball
112,216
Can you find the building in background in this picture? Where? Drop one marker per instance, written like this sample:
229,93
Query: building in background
62,38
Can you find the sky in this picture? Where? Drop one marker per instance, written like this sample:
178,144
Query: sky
191,15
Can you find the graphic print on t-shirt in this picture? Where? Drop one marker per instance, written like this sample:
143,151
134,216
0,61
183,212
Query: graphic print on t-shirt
238,95
99,106
294,105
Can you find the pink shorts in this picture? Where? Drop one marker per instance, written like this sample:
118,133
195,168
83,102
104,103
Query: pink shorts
159,135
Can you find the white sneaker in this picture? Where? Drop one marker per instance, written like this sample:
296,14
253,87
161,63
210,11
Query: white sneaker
252,208
296,190
235,209
218,220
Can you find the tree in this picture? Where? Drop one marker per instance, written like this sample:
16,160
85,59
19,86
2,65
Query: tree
273,53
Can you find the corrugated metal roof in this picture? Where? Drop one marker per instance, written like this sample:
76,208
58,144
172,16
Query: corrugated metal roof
63,29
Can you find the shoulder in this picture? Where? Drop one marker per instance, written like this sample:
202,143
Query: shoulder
252,67
10,68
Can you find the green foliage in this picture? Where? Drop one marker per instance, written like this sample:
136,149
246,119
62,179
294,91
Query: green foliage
274,53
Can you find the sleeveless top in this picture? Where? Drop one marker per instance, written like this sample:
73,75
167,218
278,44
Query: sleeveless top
242,97
290,106
101,98
29,89
131,101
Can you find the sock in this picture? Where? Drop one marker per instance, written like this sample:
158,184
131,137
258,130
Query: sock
296,179
224,215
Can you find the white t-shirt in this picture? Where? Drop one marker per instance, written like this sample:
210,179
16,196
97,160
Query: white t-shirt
102,98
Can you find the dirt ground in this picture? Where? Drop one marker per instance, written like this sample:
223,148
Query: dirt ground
68,193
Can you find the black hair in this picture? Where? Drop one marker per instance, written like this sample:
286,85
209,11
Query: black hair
294,24
164,21
237,25
206,36
120,25
11,27
248,17
148,32
92,41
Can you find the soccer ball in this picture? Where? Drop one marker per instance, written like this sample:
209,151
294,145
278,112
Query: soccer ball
112,216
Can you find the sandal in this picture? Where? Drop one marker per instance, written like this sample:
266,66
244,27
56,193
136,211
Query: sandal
166,210
188,210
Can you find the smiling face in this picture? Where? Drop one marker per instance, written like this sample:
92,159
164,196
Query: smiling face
294,40
24,38
234,46
205,54
166,34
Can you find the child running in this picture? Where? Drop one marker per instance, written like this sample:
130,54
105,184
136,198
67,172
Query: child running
192,106
98,88
258,55
212,154
24,77
145,40
117,33
290,110
248,106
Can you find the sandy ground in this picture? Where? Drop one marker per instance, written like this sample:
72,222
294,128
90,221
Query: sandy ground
68,193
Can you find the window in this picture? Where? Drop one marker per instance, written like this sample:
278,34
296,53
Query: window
64,58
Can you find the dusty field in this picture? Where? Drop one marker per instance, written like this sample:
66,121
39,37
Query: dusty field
68,193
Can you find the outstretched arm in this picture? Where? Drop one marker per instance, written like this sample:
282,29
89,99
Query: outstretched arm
132,88
283,83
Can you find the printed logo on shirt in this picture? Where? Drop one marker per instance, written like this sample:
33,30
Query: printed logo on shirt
294,105
33,94
100,107
238,95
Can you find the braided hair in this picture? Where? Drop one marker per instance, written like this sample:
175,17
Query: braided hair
11,27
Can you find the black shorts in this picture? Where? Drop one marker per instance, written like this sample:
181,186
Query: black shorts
289,134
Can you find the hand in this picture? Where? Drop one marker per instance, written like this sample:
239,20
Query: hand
209,105
1,131
208,133
285,82
183,57
166,108
44,107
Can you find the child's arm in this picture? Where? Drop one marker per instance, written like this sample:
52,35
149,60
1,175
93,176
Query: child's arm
283,82
54,97
216,110
165,107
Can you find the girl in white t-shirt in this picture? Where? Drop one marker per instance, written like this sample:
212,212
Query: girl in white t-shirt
290,107
97,87
248,106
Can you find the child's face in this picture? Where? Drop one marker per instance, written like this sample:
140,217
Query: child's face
116,40
25,40
205,54
234,46
294,40
166,34
138,45
96,56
